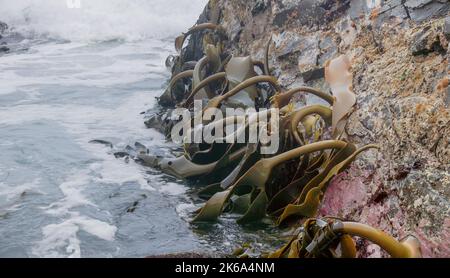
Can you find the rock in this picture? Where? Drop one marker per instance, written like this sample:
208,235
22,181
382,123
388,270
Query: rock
160,121
234,29
347,31
426,41
3,48
328,50
358,9
304,49
420,10
309,53
447,93
392,9
309,12
101,142
260,6
313,74
398,104
447,28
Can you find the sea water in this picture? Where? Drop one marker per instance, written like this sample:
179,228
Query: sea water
80,71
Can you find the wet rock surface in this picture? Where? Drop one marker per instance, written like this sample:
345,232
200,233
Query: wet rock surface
399,53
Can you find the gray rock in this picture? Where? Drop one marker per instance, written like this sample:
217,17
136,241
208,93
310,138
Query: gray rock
309,12
260,6
447,97
357,9
447,28
307,60
313,74
235,30
303,48
415,4
391,9
328,50
426,41
287,43
420,10
160,121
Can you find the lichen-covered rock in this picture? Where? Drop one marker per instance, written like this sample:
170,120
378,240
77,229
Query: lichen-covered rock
428,39
399,53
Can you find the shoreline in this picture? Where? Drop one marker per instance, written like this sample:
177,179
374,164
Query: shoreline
390,49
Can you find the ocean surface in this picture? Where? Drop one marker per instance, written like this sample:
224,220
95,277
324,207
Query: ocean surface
86,70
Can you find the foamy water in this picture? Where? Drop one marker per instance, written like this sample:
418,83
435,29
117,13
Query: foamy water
86,73
99,20
75,75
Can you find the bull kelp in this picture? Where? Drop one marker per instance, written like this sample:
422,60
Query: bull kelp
287,185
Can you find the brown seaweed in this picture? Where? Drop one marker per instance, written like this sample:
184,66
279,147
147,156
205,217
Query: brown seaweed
290,184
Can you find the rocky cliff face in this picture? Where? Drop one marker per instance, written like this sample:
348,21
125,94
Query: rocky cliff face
399,51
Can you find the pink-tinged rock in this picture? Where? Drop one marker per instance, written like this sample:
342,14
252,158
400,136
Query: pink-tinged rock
344,194
433,247
374,251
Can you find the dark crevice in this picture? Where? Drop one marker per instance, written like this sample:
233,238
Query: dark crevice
406,9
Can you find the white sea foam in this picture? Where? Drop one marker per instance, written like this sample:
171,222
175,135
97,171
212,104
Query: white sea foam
64,236
172,188
9,195
73,197
84,123
98,20
78,120
66,64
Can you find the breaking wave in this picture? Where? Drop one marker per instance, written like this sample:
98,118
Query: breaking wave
100,20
